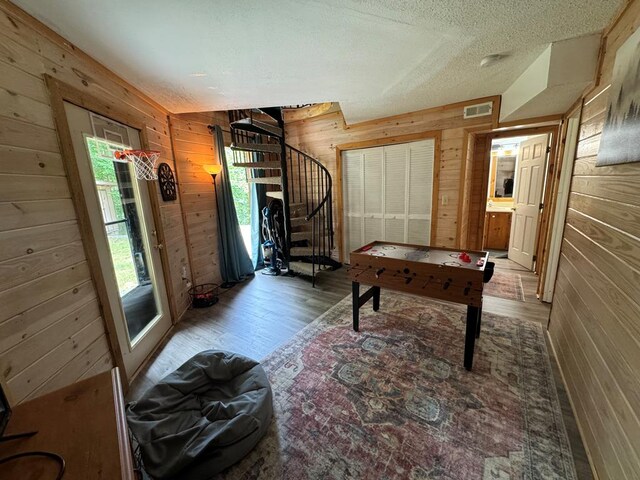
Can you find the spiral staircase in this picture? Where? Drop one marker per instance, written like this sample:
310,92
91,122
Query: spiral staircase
299,181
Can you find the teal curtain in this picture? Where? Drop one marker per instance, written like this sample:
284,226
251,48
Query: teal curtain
235,264
258,202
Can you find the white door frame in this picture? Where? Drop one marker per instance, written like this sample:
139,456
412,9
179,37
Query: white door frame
134,351
564,191
59,93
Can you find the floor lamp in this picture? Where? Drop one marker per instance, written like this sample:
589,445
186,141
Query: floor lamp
214,170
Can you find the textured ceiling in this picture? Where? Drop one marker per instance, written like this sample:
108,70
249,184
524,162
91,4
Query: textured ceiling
375,57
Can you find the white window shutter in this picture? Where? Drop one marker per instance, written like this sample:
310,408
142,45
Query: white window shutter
394,229
373,181
395,167
372,230
352,195
420,190
352,168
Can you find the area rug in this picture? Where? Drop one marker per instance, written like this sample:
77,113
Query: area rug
505,285
394,402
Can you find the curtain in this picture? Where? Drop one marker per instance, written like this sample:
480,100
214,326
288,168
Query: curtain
235,264
258,202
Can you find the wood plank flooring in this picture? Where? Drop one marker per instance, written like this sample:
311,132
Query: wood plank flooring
251,320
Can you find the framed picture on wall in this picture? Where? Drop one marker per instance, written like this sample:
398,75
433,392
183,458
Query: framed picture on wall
620,141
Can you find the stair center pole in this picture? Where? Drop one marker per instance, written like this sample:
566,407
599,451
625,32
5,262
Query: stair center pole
284,182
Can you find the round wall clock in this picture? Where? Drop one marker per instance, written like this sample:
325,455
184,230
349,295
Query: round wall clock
167,182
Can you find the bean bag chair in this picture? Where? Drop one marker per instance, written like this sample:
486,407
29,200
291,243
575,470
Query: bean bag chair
203,417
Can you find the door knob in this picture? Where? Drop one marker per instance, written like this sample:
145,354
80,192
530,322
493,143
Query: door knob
159,246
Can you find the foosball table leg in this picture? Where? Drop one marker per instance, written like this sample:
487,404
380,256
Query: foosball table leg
376,299
355,291
470,336
479,321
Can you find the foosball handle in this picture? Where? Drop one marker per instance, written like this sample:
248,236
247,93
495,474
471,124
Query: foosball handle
379,272
446,284
407,280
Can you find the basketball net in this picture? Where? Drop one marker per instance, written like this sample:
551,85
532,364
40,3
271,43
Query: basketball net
144,162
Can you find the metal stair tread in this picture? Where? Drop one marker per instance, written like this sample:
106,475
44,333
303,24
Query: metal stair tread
257,147
260,165
303,251
256,126
307,252
265,180
278,195
273,112
307,268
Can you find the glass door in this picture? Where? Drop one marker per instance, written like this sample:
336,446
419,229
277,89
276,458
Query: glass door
119,198
123,229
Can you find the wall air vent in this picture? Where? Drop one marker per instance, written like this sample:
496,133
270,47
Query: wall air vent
480,110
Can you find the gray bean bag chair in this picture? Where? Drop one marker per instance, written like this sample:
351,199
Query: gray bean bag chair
203,417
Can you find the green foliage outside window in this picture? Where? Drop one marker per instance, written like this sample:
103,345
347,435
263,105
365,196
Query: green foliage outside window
102,162
240,190
101,154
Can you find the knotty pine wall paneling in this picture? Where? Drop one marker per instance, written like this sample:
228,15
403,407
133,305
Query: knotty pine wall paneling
464,204
51,330
194,147
319,136
595,315
477,184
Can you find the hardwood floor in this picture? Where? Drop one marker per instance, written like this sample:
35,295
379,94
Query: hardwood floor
251,320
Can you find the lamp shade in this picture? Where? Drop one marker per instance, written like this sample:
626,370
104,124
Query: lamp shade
212,170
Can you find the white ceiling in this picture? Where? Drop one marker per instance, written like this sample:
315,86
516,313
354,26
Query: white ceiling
375,57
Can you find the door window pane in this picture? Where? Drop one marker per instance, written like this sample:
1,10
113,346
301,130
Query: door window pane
120,213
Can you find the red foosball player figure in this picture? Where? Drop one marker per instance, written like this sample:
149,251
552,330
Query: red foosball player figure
464,256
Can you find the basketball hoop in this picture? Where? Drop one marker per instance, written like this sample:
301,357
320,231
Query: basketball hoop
144,162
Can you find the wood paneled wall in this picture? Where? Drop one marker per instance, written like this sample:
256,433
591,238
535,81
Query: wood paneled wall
193,148
464,205
51,329
478,190
319,136
595,316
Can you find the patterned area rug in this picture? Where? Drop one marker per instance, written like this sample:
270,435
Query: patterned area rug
394,402
505,285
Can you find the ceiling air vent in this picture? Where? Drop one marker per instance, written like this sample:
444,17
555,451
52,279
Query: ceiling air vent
480,110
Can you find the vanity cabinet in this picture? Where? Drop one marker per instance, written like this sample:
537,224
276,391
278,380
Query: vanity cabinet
497,226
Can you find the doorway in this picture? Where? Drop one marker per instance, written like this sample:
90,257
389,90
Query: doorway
121,225
514,197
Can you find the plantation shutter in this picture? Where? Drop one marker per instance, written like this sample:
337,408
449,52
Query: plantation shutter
387,193
373,202
419,191
395,180
353,203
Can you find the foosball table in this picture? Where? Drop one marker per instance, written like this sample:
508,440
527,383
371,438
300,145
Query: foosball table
440,273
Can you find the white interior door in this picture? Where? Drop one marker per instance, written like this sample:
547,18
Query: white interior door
564,190
123,228
527,197
387,194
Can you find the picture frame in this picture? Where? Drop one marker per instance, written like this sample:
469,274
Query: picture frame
620,142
